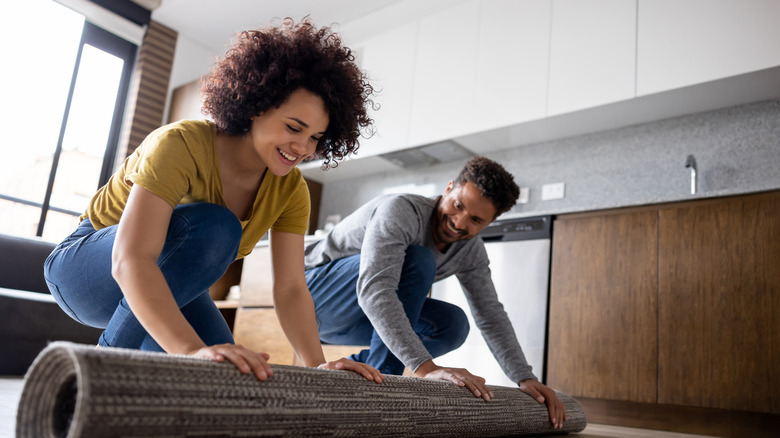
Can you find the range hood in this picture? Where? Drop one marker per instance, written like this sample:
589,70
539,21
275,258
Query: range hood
428,155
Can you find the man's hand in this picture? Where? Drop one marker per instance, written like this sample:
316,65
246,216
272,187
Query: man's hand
544,394
365,370
458,376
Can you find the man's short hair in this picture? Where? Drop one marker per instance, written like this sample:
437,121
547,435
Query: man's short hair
492,180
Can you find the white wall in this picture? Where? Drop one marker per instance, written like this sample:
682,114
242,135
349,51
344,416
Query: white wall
190,62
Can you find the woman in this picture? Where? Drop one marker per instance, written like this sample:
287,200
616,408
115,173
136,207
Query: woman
196,195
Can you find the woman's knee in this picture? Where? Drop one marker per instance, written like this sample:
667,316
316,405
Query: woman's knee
202,242
214,220
211,230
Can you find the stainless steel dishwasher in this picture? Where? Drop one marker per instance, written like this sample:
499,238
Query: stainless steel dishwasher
519,253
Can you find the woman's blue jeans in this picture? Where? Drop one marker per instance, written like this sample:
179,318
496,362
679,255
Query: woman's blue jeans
201,242
442,327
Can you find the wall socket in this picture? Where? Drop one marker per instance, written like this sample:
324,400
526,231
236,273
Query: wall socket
552,191
524,195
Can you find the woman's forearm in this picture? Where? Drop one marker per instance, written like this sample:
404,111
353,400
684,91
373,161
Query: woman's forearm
295,310
151,301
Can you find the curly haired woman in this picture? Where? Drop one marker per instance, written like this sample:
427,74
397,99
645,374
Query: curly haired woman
197,195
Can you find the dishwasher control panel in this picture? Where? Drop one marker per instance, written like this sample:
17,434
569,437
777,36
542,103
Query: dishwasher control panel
517,229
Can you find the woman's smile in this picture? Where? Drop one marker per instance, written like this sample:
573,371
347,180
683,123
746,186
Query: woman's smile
291,158
284,136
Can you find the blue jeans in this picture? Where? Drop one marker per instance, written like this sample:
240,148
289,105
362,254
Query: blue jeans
442,327
201,242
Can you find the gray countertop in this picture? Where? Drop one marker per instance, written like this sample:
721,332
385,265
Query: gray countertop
607,205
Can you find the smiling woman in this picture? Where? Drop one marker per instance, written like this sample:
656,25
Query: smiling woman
243,85
197,195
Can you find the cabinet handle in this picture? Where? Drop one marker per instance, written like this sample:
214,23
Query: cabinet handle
690,162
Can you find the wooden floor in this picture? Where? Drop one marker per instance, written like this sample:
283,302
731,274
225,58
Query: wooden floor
11,388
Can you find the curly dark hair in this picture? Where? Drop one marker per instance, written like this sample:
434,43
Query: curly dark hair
492,180
263,67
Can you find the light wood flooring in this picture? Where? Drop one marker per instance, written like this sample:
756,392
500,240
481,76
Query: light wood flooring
11,389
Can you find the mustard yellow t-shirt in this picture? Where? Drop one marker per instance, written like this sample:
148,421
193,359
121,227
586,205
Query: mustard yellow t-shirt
179,163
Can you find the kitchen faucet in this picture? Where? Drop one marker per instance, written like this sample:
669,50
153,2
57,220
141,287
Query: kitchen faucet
690,163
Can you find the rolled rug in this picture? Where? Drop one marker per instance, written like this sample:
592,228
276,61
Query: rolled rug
74,390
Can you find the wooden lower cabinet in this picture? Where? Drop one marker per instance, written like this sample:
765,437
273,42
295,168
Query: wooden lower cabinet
673,305
719,295
256,324
258,329
257,279
603,307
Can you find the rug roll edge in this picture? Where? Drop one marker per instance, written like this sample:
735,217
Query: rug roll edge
48,376
74,361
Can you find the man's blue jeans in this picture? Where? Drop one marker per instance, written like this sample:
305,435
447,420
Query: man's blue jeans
201,243
442,327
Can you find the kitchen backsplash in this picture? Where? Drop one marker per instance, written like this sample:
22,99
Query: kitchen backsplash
737,151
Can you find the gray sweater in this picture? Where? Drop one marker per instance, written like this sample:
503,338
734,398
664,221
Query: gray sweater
380,231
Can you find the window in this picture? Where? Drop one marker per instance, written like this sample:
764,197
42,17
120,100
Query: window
66,82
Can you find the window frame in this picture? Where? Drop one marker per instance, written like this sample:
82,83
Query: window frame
123,49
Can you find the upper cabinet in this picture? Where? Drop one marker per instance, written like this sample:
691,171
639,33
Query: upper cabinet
444,74
480,65
388,60
498,74
592,54
687,42
512,62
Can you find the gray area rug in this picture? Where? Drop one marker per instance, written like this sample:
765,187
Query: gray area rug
74,390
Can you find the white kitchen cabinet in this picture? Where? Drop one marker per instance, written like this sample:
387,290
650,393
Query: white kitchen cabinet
388,60
687,42
512,62
592,54
499,74
445,70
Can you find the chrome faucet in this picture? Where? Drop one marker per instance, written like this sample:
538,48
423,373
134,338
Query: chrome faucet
690,163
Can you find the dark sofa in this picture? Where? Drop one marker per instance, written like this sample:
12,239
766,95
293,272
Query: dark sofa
29,316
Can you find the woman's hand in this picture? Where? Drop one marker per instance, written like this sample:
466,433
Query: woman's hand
365,370
245,360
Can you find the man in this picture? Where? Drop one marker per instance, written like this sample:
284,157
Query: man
370,277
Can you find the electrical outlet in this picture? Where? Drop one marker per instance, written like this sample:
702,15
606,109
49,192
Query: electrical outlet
552,191
524,195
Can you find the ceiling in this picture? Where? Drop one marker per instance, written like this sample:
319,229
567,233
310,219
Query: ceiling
213,23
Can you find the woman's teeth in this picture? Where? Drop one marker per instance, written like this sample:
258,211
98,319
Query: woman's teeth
287,156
